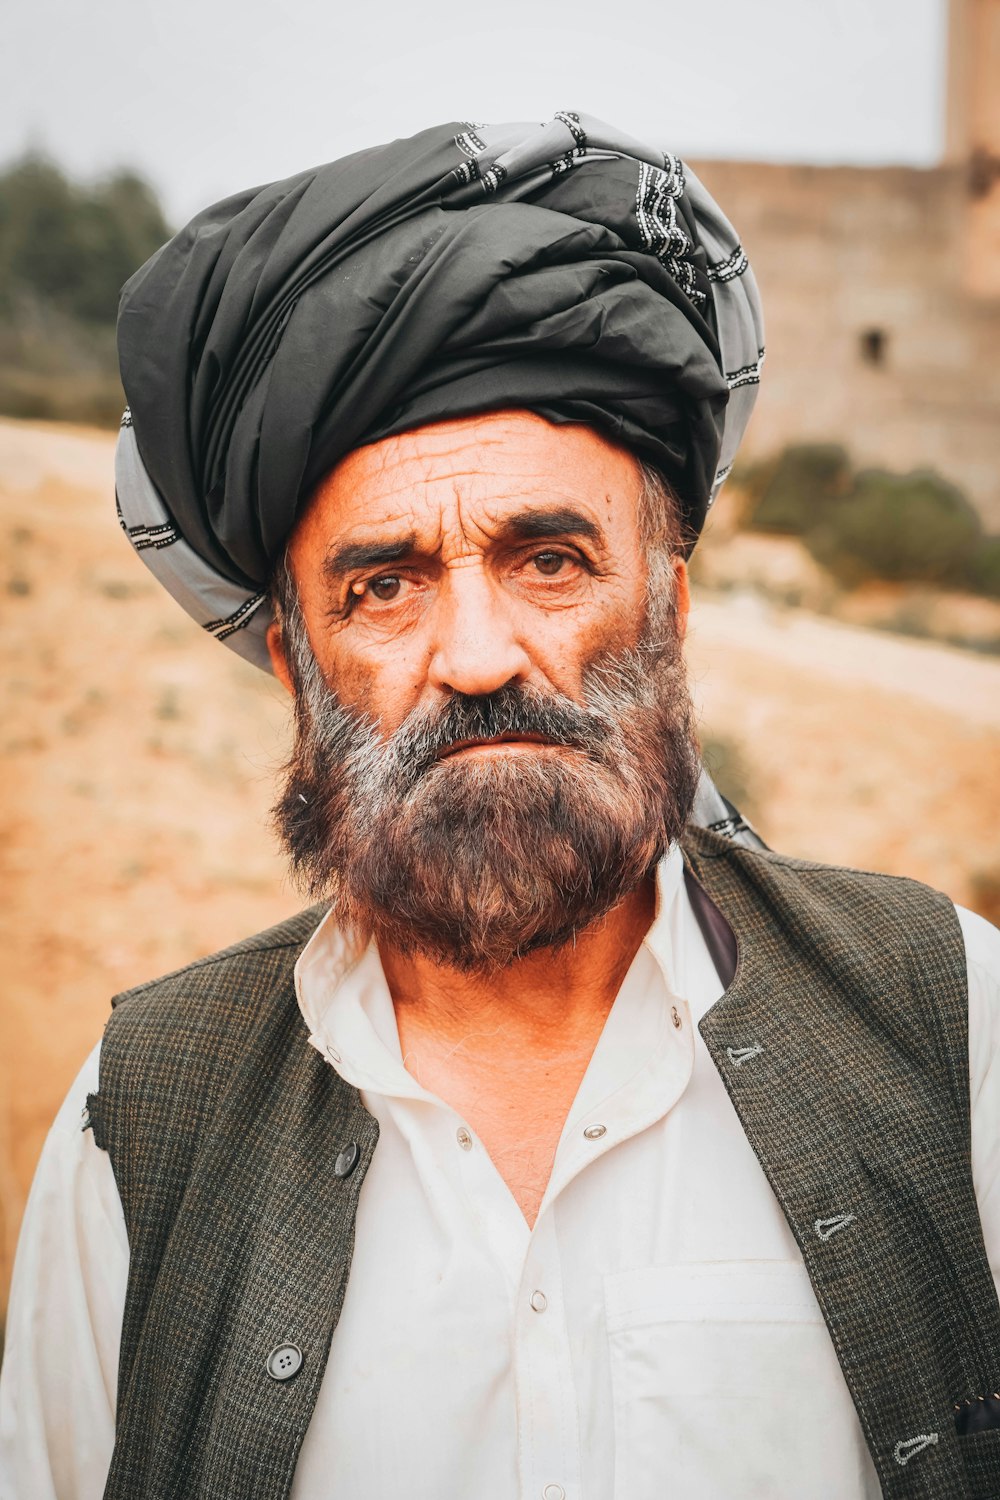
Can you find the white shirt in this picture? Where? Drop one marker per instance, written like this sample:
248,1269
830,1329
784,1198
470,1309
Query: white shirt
655,1334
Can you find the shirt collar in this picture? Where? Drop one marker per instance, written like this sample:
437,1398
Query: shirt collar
346,1005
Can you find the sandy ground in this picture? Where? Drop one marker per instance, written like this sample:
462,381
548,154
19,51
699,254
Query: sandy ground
137,760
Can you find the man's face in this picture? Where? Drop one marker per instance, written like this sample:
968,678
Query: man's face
494,737
465,556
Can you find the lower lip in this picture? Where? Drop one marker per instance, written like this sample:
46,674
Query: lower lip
499,747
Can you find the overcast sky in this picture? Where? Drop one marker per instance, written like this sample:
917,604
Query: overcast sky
206,97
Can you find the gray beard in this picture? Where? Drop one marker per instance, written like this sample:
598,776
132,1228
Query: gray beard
477,861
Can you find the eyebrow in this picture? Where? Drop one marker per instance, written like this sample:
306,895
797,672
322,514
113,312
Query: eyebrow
373,554
536,522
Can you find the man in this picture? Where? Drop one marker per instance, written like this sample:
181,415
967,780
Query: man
567,1149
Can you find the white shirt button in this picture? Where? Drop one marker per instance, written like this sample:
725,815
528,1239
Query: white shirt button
464,1138
594,1132
553,1492
675,1017
539,1301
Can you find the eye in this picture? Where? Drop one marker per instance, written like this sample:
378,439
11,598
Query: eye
549,563
385,588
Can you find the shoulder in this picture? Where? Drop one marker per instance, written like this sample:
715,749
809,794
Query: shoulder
704,844
183,1034
236,978
886,952
216,991
841,893
264,950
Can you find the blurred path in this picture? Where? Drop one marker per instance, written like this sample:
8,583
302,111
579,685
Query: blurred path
943,677
35,453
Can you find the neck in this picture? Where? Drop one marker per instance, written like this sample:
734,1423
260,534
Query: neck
552,997
507,1049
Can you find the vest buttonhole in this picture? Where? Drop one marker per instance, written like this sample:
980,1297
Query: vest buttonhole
908,1448
827,1227
740,1055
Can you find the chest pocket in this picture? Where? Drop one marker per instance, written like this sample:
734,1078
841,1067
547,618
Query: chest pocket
725,1382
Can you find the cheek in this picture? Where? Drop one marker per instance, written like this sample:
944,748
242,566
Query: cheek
383,685
565,643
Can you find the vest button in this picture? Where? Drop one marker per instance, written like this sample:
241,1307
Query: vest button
347,1160
284,1362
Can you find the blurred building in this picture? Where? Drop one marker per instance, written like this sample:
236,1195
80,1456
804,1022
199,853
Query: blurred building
881,289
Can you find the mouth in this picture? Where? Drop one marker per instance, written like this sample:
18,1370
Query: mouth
501,743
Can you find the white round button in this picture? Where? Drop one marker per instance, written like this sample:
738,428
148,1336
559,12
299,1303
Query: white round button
539,1301
284,1362
463,1138
553,1492
594,1132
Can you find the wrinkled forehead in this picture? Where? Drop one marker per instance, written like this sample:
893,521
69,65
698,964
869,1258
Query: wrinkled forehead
476,472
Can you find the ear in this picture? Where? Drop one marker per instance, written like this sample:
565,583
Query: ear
276,651
682,594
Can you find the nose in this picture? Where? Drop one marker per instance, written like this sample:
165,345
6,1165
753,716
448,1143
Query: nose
476,649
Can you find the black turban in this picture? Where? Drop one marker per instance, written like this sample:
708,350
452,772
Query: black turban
563,268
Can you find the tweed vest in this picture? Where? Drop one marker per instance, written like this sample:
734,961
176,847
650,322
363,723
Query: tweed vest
843,1044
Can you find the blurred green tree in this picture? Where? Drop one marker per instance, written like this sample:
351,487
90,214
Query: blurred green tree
902,527
787,493
65,252
907,528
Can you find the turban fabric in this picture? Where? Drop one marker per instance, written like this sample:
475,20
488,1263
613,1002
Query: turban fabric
562,268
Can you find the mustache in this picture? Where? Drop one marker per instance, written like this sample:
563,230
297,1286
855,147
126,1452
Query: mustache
510,712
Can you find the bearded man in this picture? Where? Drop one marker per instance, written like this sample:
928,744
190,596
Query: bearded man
570,1148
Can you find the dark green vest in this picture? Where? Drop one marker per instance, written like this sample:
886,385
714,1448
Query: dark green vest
842,1040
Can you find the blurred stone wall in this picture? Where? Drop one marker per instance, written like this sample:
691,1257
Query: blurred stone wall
876,336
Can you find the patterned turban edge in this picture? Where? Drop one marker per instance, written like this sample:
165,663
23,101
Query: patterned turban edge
563,268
